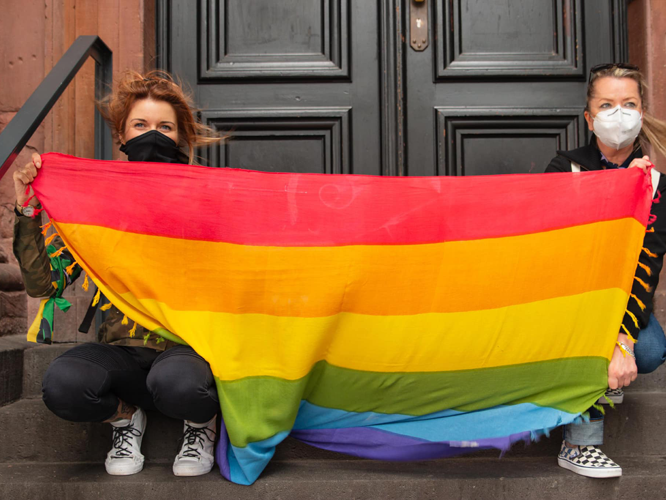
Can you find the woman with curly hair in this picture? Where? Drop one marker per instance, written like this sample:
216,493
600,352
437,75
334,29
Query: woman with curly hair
128,372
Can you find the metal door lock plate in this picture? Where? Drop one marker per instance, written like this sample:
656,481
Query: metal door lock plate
418,31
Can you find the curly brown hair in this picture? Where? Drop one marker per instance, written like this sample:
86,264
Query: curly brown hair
159,86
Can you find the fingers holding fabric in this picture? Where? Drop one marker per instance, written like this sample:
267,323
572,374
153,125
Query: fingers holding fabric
23,177
642,163
622,370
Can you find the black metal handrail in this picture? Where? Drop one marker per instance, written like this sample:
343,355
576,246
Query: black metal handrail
17,133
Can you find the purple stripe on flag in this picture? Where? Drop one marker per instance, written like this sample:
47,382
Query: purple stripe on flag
221,451
377,444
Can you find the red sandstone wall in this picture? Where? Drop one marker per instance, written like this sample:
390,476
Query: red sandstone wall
647,49
33,36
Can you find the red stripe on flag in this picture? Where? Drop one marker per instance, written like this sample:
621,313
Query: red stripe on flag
287,209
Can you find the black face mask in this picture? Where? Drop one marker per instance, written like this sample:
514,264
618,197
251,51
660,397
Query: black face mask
152,146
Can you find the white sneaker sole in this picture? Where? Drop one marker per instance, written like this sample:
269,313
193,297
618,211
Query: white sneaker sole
125,471
615,399
596,472
191,471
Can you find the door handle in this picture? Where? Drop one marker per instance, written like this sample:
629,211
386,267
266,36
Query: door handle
418,24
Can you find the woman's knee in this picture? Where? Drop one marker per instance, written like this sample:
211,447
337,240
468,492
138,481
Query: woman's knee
71,390
182,385
649,360
650,349
179,373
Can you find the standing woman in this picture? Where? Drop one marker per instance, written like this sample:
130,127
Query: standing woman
129,371
623,132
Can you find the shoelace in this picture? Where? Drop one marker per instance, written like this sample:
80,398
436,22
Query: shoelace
195,436
121,440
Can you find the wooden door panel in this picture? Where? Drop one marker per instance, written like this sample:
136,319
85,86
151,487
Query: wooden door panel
333,86
503,141
503,85
289,39
280,77
506,38
305,140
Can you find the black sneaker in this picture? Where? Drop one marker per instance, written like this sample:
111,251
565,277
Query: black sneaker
615,395
587,461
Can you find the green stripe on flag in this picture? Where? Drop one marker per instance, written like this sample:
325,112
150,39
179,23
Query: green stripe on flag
256,408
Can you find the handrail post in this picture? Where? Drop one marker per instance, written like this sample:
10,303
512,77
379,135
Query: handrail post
17,133
103,82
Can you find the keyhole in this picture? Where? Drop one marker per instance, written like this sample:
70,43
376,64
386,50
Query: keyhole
419,23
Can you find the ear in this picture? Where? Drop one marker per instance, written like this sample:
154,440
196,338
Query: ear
589,120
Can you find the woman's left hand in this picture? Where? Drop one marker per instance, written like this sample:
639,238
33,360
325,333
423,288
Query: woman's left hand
622,370
642,163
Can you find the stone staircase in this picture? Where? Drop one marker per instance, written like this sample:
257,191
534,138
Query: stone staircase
42,456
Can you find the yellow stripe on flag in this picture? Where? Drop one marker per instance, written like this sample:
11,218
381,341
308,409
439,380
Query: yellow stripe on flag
420,343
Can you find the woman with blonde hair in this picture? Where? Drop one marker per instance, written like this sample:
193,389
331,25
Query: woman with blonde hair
624,132
129,371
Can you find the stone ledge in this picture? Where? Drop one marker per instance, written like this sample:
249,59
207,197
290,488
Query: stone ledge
478,479
10,278
32,433
11,367
13,313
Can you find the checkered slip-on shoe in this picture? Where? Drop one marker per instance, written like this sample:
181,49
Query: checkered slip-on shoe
587,461
615,395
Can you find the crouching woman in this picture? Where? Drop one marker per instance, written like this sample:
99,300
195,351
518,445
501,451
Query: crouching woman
116,380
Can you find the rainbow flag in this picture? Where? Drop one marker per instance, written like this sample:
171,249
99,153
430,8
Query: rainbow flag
389,318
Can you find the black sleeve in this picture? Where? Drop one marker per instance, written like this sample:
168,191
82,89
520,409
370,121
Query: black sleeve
559,164
649,266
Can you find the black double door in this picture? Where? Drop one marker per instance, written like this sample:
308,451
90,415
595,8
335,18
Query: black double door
391,87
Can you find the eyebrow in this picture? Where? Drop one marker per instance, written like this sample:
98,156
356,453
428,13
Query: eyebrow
143,120
625,99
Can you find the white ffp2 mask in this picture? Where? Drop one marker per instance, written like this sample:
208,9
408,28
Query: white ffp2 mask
618,127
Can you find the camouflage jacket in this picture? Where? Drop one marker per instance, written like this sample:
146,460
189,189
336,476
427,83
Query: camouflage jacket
41,281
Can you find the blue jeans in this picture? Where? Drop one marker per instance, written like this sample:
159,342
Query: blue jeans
650,353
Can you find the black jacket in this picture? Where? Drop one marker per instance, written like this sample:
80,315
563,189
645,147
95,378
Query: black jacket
589,158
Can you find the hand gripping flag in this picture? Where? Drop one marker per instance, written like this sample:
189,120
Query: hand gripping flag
389,318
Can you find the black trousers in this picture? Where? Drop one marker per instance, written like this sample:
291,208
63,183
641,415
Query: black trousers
86,382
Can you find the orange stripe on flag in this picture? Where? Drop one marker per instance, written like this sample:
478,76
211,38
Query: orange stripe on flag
377,280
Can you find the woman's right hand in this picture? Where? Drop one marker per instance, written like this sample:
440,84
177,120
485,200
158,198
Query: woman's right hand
622,369
23,176
642,163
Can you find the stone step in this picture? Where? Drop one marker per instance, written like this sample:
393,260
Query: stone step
650,382
37,360
31,433
35,363
631,430
11,367
478,479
